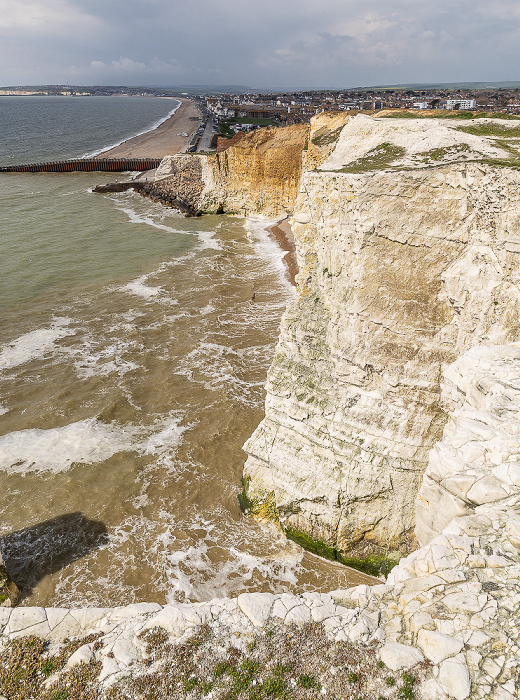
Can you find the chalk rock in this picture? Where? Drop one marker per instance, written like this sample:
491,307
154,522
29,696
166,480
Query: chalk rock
397,280
436,646
256,606
454,679
83,655
400,656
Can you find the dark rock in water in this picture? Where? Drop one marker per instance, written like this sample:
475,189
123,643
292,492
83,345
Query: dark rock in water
9,593
153,192
115,187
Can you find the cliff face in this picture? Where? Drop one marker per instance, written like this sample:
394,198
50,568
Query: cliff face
260,174
403,267
475,468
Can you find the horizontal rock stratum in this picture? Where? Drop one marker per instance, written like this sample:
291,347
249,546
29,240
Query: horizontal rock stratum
408,247
393,400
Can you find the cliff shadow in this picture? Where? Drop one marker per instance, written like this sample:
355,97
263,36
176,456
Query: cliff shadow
42,549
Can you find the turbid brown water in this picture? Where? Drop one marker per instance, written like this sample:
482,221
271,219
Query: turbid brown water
132,366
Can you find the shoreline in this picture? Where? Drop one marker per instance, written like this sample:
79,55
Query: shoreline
163,140
282,234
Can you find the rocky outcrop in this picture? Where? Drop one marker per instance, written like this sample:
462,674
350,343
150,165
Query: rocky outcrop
401,271
9,593
475,468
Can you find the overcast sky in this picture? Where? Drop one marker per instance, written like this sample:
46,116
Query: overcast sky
260,43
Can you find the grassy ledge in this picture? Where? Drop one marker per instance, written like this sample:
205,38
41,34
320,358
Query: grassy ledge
376,159
447,114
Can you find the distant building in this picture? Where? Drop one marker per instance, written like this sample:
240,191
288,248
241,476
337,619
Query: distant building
420,105
461,104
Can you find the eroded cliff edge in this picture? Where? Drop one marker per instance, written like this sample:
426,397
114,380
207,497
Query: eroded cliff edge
408,244
407,235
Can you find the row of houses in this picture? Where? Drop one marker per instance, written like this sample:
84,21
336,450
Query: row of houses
284,111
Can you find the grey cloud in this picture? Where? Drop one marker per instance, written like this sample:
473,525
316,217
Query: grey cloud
293,42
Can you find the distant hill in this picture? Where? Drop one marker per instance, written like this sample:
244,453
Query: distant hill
511,84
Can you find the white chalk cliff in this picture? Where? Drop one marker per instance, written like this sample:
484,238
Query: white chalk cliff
408,245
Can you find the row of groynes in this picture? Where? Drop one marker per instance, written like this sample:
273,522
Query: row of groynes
85,165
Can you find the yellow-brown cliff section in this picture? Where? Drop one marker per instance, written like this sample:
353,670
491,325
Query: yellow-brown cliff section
261,173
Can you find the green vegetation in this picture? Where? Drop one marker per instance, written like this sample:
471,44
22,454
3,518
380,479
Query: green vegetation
285,663
322,549
324,137
377,159
262,508
445,114
490,129
374,564
438,154
308,682
225,124
25,663
512,162
242,498
406,691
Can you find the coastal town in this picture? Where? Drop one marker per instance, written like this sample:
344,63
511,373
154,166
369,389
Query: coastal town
290,107
225,113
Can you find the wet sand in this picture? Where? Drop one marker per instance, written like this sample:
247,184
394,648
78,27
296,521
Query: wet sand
162,141
283,235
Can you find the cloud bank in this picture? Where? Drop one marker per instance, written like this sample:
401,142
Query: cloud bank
335,43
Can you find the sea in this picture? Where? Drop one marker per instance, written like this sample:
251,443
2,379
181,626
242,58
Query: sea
132,370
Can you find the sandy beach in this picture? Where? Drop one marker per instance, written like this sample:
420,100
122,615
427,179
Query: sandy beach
163,141
283,235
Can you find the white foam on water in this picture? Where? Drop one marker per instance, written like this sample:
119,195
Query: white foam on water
108,360
208,309
57,449
265,246
34,344
193,576
84,442
3,410
136,218
169,434
194,560
140,289
208,241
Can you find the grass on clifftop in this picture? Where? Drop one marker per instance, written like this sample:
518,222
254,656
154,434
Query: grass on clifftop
445,114
488,129
324,137
25,665
280,662
225,124
377,159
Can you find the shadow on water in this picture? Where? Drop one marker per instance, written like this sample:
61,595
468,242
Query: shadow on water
37,551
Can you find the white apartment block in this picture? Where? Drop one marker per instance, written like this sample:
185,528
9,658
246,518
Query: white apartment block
462,104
